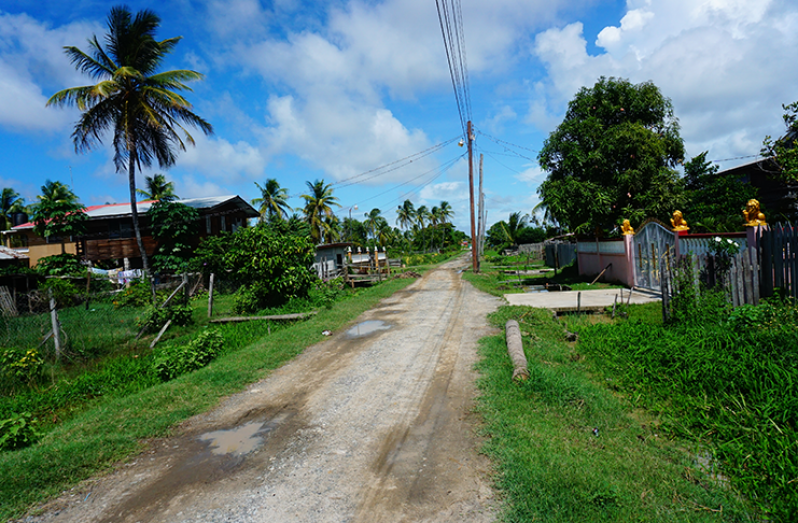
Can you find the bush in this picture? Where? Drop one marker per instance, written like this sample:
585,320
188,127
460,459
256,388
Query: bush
65,293
155,318
137,294
274,266
17,432
60,265
21,367
171,362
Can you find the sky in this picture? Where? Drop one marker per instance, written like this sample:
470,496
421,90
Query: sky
302,91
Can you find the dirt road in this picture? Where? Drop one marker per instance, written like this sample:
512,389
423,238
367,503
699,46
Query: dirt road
372,425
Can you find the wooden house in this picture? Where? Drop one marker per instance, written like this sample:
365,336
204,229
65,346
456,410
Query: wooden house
110,236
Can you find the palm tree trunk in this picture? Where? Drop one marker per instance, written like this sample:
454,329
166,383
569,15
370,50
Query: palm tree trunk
134,211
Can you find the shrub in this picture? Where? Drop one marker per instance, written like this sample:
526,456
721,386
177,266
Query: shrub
17,432
155,318
18,367
65,293
171,362
137,294
60,264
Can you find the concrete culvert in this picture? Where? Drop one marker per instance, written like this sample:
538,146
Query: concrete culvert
515,348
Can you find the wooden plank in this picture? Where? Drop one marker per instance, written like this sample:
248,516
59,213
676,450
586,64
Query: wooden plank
778,257
755,276
748,277
277,317
793,246
766,263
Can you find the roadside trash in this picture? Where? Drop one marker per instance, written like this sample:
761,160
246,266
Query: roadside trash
595,432
326,333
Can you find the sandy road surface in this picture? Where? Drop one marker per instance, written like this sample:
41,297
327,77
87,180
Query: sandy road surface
372,425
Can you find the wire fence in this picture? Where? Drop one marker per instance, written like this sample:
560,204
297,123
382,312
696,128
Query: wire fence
68,318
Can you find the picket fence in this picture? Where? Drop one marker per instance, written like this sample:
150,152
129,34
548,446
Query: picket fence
778,255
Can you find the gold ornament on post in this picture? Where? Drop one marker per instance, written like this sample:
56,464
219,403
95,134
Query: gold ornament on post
678,222
627,228
752,215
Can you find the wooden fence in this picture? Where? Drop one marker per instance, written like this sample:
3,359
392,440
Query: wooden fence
778,251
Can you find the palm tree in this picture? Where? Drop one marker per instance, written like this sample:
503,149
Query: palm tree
158,189
405,214
273,201
317,206
58,213
10,203
435,215
141,106
373,221
422,215
515,223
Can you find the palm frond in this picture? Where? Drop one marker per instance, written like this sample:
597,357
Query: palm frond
86,64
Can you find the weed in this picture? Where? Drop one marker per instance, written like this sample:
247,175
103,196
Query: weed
17,432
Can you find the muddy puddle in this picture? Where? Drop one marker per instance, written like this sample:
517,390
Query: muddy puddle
367,327
242,440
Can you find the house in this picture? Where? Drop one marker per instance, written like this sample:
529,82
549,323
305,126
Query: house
109,230
330,259
779,198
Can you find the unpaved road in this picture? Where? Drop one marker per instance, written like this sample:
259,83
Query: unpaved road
372,425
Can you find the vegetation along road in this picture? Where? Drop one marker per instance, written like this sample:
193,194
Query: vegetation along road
373,425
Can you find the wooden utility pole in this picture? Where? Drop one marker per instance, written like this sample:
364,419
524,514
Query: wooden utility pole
474,257
481,228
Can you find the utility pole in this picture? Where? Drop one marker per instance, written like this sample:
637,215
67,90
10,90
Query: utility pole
481,228
474,257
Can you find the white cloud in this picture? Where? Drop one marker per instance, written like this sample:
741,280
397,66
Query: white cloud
32,61
191,187
219,159
727,65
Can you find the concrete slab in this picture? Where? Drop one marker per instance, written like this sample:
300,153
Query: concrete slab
565,301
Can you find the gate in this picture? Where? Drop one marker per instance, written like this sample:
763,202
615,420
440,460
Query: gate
651,243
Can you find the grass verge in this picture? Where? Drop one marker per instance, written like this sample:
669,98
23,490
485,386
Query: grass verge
113,428
568,448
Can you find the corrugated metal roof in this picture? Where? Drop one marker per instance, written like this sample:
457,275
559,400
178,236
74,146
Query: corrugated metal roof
11,254
123,209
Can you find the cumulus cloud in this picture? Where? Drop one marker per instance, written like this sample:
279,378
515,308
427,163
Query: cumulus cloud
726,65
33,67
218,158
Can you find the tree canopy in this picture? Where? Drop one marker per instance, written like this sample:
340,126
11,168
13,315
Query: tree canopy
784,150
612,157
58,214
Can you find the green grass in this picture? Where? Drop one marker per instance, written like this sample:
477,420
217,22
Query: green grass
551,466
110,426
730,387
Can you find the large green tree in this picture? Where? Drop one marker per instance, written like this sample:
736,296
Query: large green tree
273,201
405,214
141,107
318,205
612,157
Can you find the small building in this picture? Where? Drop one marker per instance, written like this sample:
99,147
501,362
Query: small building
330,259
779,197
109,230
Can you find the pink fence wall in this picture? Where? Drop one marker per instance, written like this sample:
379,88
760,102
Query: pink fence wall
615,255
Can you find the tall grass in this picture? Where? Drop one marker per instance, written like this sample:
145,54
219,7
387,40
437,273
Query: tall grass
567,448
730,383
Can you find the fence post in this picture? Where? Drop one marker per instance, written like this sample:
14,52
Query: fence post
663,279
210,296
56,326
186,289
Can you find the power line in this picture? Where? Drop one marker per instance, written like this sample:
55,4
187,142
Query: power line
451,23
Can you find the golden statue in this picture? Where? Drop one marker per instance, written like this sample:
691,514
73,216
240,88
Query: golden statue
678,223
753,216
627,228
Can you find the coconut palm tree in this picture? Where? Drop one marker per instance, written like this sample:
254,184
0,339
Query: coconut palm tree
58,213
317,206
373,221
405,214
273,201
515,223
422,216
10,203
141,106
158,189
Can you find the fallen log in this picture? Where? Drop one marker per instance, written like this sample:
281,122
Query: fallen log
515,348
277,317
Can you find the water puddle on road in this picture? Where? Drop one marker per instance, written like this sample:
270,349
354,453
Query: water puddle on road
237,442
367,327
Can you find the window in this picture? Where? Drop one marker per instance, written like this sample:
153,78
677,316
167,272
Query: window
224,225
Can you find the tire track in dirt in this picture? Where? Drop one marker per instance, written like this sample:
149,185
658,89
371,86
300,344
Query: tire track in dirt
370,425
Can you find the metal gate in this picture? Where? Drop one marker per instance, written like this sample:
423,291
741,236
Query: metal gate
651,244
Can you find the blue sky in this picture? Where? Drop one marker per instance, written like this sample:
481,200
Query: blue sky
300,91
